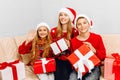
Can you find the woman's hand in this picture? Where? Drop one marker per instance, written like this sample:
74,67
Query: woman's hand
90,46
67,42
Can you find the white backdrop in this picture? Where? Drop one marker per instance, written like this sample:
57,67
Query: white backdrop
17,17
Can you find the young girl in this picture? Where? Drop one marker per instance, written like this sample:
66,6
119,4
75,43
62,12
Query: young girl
92,40
65,30
39,47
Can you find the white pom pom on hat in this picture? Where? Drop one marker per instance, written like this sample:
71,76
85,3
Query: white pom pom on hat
83,15
42,24
70,12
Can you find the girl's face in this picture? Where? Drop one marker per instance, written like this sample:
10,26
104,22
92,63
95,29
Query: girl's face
83,25
42,31
64,18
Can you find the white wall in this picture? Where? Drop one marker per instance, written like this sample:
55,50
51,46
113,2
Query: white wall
17,17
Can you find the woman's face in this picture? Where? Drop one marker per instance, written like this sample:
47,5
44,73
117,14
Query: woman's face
83,25
64,18
42,31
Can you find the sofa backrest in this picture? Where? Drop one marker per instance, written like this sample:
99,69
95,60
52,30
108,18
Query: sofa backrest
112,43
9,46
8,49
19,39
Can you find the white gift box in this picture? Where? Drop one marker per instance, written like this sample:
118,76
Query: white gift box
59,46
7,73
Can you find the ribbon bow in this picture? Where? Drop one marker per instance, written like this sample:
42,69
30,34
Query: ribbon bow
6,64
83,60
10,64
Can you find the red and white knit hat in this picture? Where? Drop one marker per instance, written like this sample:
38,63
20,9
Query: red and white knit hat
70,12
83,15
43,24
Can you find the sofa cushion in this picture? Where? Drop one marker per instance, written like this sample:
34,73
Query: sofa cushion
30,74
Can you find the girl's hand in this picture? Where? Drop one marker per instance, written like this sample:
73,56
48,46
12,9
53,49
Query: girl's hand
30,36
90,46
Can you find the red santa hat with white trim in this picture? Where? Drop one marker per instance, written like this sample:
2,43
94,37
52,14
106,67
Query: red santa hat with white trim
83,15
42,24
70,12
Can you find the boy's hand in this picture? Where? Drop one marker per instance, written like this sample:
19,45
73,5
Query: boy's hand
90,46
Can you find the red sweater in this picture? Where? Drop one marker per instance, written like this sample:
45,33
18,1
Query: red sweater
96,42
55,38
54,32
26,49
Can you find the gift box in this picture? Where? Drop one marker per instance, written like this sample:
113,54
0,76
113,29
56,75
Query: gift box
112,67
83,60
14,70
108,66
44,65
59,46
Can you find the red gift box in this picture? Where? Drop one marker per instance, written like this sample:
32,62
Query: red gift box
44,65
112,67
83,60
59,46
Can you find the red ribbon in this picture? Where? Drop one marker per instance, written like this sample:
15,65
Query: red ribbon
10,64
116,56
59,47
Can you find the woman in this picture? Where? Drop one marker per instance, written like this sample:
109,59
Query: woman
64,30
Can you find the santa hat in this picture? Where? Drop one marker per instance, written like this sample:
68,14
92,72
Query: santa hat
70,12
43,24
89,20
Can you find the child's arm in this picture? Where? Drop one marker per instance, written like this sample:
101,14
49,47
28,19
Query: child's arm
25,48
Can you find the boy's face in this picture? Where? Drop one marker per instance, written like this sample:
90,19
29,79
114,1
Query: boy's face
82,25
42,31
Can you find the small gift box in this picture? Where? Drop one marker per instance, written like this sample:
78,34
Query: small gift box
12,70
108,65
112,67
59,46
83,60
44,65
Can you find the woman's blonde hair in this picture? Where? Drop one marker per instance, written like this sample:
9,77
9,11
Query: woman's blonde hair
69,30
46,48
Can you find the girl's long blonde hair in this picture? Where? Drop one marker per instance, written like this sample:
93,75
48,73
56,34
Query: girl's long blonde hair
69,30
46,48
